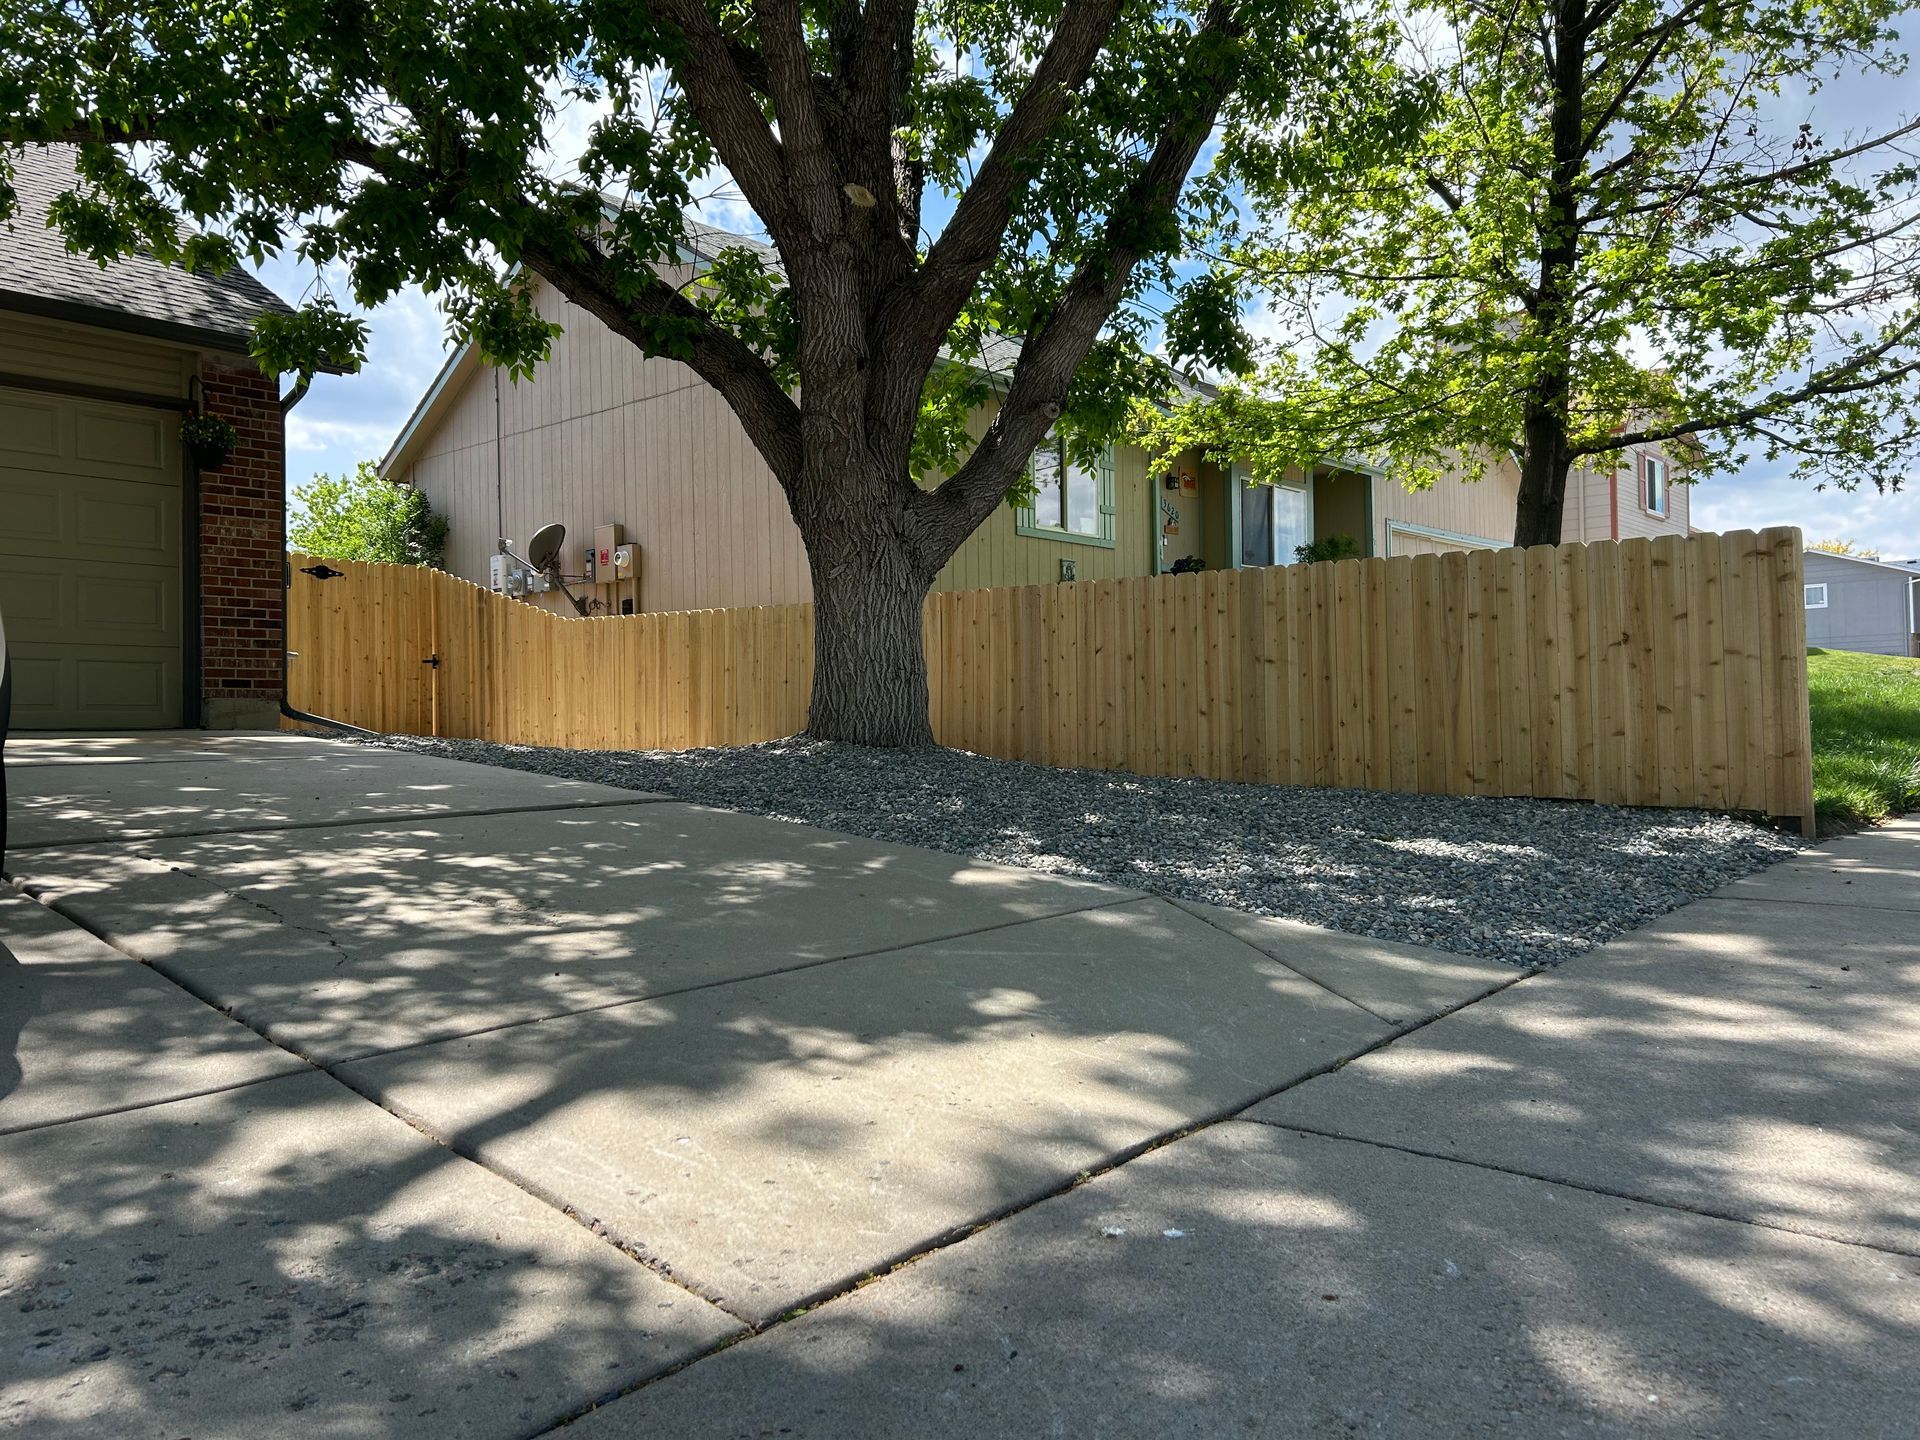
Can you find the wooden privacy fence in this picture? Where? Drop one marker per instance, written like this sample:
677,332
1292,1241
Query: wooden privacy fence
414,651
1663,672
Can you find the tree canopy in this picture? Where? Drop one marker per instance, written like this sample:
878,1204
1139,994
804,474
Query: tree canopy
1840,545
360,516
927,173
1034,169
1617,226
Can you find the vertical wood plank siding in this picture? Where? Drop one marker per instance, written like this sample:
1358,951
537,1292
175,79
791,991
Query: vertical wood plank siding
1664,672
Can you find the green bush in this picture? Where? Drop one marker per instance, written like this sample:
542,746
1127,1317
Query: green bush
363,517
1334,547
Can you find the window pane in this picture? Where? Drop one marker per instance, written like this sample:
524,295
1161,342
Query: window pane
1289,523
1048,496
1082,499
1256,525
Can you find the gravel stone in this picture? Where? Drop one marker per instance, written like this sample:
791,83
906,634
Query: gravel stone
1530,882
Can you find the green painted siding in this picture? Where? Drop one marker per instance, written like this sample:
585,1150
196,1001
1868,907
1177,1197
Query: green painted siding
997,554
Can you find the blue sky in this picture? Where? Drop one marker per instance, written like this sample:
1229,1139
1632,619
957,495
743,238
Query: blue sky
345,419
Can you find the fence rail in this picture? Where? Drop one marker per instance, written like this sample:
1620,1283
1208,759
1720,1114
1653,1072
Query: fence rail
1663,672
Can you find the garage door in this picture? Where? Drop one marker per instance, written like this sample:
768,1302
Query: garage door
90,578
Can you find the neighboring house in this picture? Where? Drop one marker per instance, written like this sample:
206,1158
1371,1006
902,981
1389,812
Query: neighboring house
138,592
1858,604
1637,495
602,435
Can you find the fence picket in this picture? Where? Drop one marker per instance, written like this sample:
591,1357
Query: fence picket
1670,672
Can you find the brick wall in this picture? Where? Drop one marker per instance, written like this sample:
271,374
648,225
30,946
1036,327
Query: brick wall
242,509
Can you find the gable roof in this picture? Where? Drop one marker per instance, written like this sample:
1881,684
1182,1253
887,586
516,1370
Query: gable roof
1899,569
138,295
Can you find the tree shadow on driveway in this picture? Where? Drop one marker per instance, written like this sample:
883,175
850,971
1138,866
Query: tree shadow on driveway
769,1138
285,1258
1749,1058
1248,1280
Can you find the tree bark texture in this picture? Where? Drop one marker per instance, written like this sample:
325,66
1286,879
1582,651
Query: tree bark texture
1544,461
871,316
1546,448
869,656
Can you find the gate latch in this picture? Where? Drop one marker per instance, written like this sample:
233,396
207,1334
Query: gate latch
433,660
322,571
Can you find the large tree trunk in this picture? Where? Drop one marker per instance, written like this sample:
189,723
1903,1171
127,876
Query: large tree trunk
869,651
870,586
1545,450
1543,479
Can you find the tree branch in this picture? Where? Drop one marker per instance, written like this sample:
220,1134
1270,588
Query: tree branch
1053,354
1841,379
811,179
1751,182
723,101
771,419
1657,38
921,311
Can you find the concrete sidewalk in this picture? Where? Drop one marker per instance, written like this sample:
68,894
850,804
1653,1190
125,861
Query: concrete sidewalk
459,1101
453,1100
1670,1189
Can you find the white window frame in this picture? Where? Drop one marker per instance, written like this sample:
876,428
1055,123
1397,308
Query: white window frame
1807,596
1027,523
1652,467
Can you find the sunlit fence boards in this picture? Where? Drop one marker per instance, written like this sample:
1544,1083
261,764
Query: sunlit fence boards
1662,672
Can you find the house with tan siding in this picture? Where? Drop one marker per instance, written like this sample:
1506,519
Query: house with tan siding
602,435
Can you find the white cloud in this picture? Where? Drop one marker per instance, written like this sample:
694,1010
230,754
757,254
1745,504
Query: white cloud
1888,523
324,434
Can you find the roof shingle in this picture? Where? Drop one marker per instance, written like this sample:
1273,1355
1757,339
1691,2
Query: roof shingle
138,294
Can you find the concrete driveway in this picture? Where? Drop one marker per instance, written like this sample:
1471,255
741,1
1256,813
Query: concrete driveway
360,1093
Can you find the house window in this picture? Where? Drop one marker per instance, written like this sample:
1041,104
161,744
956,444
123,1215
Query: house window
1816,597
1273,523
1654,485
1071,501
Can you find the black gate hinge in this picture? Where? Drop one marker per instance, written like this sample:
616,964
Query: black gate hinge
433,660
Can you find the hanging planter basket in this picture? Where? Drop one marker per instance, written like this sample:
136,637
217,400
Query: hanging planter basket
209,440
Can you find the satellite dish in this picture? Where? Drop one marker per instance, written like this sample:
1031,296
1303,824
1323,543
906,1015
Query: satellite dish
543,551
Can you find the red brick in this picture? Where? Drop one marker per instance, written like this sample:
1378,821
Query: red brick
242,607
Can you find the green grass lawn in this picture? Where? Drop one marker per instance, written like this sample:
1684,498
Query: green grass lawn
1866,736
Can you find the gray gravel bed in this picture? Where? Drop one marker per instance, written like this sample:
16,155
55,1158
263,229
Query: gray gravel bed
1526,881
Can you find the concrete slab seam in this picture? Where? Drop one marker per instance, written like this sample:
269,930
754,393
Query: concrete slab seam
1788,900
132,1106
361,821
1186,908
960,1233
26,764
795,969
1584,1185
314,1066
175,868
654,1264
590,1224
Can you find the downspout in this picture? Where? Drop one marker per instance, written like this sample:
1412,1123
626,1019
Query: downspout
292,398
